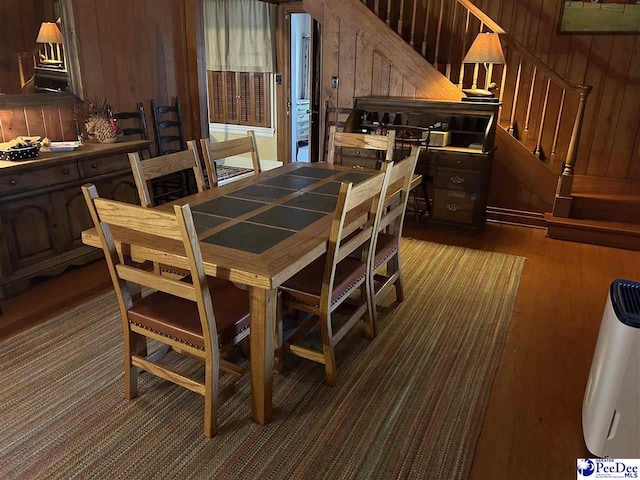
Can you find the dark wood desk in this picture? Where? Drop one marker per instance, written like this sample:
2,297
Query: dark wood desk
43,213
259,232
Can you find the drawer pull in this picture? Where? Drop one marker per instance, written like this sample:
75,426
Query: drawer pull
65,171
94,165
357,152
457,180
12,182
452,207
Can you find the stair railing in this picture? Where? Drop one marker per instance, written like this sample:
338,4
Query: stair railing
542,110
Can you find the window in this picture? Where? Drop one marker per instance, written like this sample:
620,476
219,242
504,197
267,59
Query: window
240,98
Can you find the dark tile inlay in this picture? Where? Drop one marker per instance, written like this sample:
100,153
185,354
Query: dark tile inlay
227,207
285,217
248,237
261,193
312,172
312,201
289,181
206,222
355,177
331,188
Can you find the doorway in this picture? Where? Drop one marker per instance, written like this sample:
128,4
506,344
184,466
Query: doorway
301,54
297,84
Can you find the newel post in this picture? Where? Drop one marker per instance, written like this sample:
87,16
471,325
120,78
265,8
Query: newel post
562,204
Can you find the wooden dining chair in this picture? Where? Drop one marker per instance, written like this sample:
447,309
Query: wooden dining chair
144,171
363,141
199,317
386,242
327,283
136,122
229,148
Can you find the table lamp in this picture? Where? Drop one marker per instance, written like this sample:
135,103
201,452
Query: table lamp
486,49
50,33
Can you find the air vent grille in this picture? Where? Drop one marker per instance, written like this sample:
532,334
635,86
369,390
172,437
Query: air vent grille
625,296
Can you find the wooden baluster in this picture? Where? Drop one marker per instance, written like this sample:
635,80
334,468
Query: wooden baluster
451,36
533,86
562,204
502,84
538,150
413,23
438,33
512,121
376,8
400,18
476,67
464,49
426,29
388,12
556,134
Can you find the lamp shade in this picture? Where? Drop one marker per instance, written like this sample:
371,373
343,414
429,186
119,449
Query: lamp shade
486,48
49,33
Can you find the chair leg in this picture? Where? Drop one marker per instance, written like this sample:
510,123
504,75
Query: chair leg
278,340
370,327
211,399
331,374
393,266
135,344
416,212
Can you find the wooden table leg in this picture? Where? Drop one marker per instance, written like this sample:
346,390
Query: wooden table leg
263,312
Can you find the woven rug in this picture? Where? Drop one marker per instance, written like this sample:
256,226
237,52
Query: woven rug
409,404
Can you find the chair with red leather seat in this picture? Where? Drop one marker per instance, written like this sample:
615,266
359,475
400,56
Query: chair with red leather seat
325,285
196,316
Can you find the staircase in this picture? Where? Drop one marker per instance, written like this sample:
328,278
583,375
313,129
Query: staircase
540,119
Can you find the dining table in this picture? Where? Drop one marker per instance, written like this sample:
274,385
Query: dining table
258,232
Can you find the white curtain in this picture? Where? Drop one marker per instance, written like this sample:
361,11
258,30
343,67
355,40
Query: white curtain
239,35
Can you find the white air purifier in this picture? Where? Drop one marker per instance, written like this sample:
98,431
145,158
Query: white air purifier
611,407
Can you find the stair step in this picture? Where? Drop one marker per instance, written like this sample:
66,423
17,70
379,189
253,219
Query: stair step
623,208
598,232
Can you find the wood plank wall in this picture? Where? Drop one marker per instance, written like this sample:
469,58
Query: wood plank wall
129,52
609,145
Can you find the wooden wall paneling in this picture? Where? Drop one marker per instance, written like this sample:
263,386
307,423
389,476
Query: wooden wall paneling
408,90
35,121
53,123
596,76
376,74
89,48
347,65
395,83
330,67
609,111
13,123
363,66
69,132
196,67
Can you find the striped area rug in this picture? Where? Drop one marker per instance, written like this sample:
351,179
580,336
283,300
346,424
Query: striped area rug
409,404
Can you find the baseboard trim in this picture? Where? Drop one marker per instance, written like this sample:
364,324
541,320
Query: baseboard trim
516,217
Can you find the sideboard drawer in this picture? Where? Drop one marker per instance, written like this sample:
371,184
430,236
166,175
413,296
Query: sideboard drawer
32,180
454,206
468,181
98,166
458,160
358,162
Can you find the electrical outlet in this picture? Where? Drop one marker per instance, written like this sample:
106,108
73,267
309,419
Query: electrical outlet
334,81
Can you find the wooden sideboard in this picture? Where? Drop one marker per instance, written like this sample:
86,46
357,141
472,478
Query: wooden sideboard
457,173
43,212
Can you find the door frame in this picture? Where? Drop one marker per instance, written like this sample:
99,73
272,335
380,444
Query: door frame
283,70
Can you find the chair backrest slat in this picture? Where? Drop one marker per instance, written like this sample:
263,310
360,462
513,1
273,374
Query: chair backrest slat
146,170
157,282
229,148
384,143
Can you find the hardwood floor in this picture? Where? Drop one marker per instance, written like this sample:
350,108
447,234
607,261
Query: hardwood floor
532,428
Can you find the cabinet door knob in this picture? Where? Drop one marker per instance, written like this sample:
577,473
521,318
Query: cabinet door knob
94,165
457,180
12,182
452,207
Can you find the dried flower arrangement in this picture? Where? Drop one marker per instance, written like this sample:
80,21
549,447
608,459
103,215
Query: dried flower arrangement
99,125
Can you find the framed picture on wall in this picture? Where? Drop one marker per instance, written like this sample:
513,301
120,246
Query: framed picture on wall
600,16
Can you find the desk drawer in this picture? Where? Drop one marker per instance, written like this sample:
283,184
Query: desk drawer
98,166
454,179
454,206
32,180
458,160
